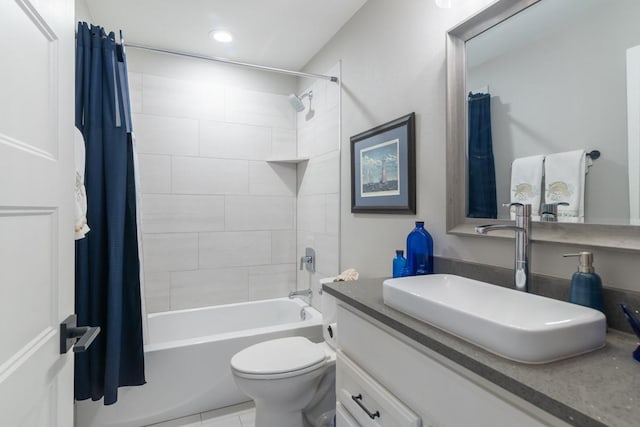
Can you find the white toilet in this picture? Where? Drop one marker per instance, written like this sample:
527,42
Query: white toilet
290,376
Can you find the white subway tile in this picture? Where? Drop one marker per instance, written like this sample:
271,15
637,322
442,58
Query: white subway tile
155,173
179,213
259,108
234,141
312,213
269,178
135,91
170,252
191,175
332,214
234,249
321,176
305,139
283,246
260,213
283,143
181,98
305,239
327,133
166,135
271,281
320,136
156,291
327,253
201,288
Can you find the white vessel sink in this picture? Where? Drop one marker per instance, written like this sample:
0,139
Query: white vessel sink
516,325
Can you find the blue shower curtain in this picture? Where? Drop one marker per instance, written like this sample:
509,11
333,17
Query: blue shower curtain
107,263
482,174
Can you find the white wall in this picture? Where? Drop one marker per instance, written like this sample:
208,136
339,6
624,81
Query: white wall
393,62
319,181
82,11
218,221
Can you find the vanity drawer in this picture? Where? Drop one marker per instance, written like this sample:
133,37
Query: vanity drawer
368,402
343,418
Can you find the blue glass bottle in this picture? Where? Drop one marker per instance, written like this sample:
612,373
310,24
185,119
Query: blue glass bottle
399,264
419,251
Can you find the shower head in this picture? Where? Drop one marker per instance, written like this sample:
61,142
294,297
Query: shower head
296,101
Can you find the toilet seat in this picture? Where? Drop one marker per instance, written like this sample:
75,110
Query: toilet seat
279,358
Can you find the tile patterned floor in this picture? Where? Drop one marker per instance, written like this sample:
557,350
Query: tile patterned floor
243,415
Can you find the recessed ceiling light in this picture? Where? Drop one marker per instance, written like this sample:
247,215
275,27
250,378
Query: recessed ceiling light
221,36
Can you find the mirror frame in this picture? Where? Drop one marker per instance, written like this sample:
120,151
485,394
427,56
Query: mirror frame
621,237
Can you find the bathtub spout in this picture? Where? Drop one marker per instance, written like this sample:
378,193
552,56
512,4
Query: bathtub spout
305,293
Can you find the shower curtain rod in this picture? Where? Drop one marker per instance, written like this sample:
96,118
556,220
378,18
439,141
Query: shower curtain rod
228,61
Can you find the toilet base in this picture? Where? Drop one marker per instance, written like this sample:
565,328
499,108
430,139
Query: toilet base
267,418
320,412
327,419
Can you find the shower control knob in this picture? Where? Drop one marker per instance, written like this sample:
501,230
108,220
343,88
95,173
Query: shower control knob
330,330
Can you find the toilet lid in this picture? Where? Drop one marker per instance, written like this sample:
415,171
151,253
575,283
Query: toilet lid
278,356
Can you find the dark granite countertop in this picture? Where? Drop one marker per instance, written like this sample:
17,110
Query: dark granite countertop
601,388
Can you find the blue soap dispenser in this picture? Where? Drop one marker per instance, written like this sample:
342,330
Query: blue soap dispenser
586,285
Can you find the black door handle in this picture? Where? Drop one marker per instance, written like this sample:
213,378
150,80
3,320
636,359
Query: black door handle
70,332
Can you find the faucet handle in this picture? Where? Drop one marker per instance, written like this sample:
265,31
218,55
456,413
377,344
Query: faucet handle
549,211
552,208
521,208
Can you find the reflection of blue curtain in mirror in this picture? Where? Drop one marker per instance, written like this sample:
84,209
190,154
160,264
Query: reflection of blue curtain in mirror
482,174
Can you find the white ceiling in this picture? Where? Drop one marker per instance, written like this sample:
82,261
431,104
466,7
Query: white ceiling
276,33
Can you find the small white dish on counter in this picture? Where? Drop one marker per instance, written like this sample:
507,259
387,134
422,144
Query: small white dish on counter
523,327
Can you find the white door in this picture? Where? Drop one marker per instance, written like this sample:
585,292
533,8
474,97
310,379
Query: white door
36,216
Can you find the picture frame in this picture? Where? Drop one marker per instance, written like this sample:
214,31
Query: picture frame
383,168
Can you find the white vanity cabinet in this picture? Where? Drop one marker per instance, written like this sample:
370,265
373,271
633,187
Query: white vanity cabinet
417,381
364,402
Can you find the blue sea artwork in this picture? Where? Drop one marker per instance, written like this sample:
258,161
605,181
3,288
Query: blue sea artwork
379,170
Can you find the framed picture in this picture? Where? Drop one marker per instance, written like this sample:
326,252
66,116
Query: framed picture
383,168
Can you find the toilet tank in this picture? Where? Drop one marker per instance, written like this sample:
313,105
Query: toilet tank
329,308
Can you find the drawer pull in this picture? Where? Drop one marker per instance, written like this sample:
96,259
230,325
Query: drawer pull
358,399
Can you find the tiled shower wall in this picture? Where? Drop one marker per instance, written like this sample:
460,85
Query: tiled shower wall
218,220
319,182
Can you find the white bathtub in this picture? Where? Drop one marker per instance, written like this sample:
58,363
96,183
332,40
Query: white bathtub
187,360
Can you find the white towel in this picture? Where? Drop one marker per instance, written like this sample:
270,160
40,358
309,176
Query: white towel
526,183
564,175
81,228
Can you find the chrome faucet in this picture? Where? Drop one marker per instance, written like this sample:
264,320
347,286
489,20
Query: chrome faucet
522,227
305,293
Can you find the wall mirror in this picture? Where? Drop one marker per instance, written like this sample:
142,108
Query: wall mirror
562,76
